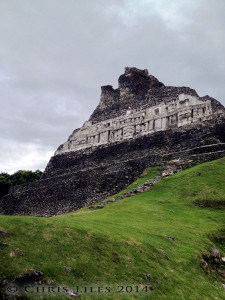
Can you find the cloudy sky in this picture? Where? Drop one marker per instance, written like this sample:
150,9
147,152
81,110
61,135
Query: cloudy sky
55,55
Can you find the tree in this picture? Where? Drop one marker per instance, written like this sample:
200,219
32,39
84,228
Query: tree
19,177
5,184
22,176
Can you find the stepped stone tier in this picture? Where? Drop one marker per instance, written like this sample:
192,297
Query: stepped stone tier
141,123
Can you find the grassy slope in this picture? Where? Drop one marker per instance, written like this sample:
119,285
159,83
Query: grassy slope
128,238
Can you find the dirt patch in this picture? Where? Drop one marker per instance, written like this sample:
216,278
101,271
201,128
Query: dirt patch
219,204
219,238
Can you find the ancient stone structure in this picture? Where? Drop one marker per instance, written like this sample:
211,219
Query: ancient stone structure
139,124
184,110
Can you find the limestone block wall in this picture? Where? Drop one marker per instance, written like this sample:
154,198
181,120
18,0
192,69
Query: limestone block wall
184,110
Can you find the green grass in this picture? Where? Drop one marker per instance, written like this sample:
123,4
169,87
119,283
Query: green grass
122,242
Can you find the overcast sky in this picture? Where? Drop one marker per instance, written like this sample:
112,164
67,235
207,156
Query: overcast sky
55,55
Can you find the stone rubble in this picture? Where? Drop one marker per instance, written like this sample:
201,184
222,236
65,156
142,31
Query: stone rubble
213,262
30,276
71,293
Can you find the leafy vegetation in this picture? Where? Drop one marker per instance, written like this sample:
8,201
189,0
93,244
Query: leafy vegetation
162,232
5,184
19,177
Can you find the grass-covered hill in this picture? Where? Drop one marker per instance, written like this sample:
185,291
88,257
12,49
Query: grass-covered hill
162,232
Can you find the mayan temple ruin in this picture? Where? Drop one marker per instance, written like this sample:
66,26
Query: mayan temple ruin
183,108
139,124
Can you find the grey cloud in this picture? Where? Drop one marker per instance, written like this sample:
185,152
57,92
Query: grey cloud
55,55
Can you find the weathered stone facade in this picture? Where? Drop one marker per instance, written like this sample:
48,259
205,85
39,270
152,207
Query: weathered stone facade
140,124
184,110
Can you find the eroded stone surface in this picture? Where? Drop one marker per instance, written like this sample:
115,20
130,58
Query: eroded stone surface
147,113
142,123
